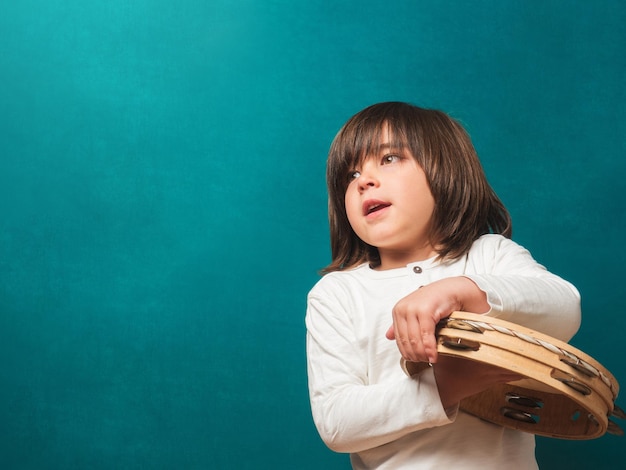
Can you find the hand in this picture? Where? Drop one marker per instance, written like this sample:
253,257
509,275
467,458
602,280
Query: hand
416,315
458,378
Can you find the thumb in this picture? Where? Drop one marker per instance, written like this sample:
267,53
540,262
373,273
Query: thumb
390,333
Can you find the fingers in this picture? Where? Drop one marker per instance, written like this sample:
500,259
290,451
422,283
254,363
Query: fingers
415,318
429,340
414,333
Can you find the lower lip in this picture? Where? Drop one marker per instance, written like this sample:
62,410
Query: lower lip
376,214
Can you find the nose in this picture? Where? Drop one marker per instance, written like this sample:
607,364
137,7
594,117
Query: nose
368,177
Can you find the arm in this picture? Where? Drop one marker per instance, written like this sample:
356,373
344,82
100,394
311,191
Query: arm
501,279
352,414
522,291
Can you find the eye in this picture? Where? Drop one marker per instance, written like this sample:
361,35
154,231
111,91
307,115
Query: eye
390,158
353,174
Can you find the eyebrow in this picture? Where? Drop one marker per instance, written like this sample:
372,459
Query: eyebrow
388,146
372,149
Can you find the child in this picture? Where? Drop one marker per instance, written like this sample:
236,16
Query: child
417,233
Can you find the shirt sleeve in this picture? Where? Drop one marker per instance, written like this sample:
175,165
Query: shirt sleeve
522,291
350,414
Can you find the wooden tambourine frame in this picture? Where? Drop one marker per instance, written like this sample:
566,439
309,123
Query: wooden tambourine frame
565,393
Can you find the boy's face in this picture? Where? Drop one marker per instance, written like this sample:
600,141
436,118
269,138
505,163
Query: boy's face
390,206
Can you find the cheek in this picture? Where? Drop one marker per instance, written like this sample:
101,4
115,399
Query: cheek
353,207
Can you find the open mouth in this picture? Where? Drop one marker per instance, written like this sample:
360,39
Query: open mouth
374,206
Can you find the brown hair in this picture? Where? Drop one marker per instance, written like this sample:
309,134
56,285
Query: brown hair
466,206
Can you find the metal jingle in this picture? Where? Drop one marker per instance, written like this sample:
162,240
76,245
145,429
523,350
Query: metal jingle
592,419
460,344
527,402
614,429
580,366
580,388
571,382
518,415
618,412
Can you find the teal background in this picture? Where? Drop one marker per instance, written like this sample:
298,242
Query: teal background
163,204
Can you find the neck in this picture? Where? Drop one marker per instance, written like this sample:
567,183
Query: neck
391,259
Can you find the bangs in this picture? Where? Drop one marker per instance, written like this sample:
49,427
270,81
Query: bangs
360,139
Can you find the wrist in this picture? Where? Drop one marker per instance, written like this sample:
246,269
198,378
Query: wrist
472,298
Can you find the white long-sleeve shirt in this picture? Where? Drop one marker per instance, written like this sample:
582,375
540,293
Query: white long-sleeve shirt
364,404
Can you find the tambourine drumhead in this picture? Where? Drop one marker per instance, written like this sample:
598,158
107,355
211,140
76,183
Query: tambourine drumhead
564,393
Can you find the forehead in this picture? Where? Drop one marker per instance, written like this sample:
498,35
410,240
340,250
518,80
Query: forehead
376,140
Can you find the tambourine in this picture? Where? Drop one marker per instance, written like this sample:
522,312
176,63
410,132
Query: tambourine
564,393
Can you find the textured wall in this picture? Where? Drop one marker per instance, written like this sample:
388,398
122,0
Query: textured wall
163,208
